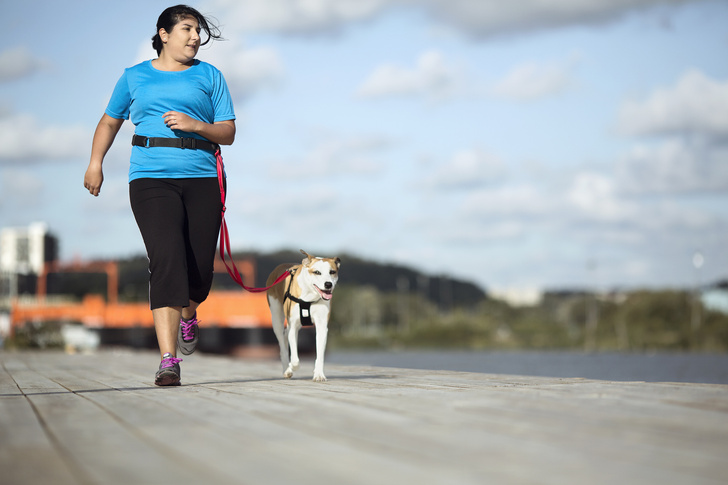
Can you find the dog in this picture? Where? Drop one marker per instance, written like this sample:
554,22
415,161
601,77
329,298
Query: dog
303,298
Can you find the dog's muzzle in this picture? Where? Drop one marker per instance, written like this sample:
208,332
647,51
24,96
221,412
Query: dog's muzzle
328,292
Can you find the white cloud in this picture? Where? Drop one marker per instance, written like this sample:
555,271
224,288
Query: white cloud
19,62
467,169
19,188
585,197
693,115
555,228
695,105
246,70
431,77
515,201
674,166
476,18
24,138
533,80
483,18
594,196
356,155
294,16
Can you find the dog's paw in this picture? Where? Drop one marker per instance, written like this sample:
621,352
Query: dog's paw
288,373
319,378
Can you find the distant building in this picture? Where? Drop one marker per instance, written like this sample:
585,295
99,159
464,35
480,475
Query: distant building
23,254
25,250
715,298
518,296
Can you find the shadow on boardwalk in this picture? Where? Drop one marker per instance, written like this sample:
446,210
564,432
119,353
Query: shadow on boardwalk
68,419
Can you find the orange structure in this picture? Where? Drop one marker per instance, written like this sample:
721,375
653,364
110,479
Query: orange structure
111,269
232,309
235,309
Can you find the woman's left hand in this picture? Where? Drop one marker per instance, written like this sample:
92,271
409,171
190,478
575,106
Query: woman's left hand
180,121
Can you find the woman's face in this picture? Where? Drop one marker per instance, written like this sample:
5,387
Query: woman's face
184,40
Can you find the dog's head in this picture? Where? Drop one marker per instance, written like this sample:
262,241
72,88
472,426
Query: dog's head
323,273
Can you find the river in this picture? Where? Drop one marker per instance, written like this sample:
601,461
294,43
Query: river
657,367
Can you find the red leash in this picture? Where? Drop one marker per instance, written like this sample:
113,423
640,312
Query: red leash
225,238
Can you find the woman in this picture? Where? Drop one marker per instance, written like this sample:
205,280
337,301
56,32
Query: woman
182,110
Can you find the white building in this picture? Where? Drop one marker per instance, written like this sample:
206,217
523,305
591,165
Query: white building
517,296
25,250
716,299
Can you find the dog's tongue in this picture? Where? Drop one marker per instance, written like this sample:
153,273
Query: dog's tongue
325,295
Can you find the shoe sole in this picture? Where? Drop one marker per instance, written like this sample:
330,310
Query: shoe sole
186,347
167,379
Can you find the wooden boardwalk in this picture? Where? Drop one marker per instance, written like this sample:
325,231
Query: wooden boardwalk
97,419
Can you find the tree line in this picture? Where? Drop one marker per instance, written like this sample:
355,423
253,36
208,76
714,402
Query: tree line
382,305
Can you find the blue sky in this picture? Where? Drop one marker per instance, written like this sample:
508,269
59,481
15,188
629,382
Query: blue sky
521,144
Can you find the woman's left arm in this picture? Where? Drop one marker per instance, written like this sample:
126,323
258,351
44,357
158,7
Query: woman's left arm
221,132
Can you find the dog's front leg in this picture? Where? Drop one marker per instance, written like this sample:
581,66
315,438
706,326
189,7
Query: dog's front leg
322,331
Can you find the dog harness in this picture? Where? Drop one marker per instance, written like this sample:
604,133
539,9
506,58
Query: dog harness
304,307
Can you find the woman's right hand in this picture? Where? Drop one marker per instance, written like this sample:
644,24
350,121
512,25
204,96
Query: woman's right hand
104,136
93,179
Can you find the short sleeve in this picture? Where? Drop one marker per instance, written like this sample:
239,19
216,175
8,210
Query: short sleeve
120,101
221,100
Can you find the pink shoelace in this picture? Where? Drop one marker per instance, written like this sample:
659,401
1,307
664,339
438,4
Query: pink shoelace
170,362
188,329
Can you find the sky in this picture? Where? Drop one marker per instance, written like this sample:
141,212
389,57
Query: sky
526,144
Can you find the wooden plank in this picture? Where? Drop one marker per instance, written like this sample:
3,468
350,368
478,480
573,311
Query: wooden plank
26,442
439,427
8,387
97,446
238,421
25,445
224,431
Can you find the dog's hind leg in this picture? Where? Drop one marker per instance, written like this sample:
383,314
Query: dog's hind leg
279,328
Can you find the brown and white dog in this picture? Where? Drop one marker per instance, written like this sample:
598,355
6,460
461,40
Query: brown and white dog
303,298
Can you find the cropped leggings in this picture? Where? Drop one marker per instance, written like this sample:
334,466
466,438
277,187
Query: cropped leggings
179,220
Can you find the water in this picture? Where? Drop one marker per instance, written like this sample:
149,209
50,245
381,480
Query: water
659,367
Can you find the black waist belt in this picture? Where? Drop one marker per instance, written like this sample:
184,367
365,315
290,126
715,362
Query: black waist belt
191,143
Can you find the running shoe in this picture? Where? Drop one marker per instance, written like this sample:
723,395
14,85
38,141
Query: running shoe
168,373
187,335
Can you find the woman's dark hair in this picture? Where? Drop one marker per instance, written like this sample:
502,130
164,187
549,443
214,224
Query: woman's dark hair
173,15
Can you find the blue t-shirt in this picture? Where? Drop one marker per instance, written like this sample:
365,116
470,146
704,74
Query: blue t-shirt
144,93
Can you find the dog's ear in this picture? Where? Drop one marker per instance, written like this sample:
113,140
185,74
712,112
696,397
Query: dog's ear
338,262
307,259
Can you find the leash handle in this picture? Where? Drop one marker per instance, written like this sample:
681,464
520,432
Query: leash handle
225,238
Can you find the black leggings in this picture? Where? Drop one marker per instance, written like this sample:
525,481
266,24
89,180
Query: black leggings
179,220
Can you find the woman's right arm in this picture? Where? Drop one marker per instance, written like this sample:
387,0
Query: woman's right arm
104,136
